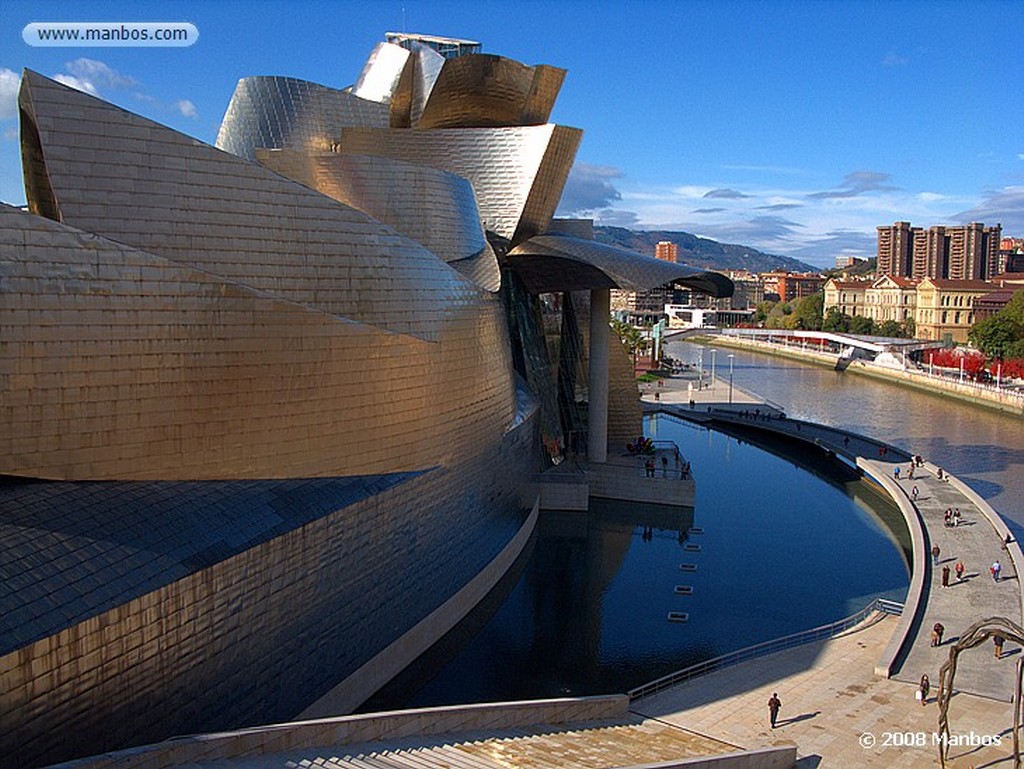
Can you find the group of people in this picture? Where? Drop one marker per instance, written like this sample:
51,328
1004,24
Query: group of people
959,569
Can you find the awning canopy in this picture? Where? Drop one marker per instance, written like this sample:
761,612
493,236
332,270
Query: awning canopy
550,263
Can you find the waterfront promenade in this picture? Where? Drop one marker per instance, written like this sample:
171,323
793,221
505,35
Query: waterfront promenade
834,688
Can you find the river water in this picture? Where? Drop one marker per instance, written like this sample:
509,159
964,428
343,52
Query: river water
983,447
790,540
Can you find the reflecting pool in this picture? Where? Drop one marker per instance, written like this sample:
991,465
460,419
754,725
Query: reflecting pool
788,538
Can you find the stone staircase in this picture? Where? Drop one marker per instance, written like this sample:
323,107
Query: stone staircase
595,745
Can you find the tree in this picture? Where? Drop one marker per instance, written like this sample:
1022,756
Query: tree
1002,335
861,325
763,310
835,320
809,312
890,328
632,338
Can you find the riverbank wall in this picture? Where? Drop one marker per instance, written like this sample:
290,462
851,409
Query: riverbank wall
1000,399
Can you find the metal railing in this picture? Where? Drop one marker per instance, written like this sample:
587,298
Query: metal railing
881,605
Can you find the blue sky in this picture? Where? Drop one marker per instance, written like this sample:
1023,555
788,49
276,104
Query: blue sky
794,127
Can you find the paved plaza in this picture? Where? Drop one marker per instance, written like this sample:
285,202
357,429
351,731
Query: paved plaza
831,696
834,708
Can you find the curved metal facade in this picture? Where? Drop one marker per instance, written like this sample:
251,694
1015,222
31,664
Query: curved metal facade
559,262
435,208
518,173
482,90
264,427
276,112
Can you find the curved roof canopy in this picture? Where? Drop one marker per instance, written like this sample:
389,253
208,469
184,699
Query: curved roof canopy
564,263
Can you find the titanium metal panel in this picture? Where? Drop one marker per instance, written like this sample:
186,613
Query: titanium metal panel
381,73
426,67
518,173
560,262
547,82
123,365
129,179
483,90
276,112
435,208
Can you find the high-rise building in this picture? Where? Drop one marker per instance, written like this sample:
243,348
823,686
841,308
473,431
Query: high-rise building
966,252
895,249
667,251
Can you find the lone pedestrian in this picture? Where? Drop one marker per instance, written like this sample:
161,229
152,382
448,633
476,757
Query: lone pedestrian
959,569
937,630
910,471
945,575
896,472
995,570
923,689
935,554
913,493
997,642
774,706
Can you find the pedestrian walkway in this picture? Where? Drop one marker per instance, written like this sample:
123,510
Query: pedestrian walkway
837,695
975,543
834,708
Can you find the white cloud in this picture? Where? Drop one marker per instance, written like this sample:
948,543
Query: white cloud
93,71
1004,206
9,80
186,108
78,83
589,188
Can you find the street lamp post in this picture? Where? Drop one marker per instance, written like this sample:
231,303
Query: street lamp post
731,356
714,381
700,368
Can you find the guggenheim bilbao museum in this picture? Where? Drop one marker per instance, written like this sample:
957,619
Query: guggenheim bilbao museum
274,411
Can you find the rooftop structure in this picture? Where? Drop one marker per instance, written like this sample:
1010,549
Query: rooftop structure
449,47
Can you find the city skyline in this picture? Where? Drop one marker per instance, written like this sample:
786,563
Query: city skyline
796,128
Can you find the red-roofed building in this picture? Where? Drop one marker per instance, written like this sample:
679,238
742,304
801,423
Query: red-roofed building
945,308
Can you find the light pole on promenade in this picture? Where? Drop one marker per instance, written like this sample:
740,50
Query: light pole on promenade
731,356
700,368
714,354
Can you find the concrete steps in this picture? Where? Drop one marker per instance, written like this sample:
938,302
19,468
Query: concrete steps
579,746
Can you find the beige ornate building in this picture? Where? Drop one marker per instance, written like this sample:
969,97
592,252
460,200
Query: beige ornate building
890,298
945,308
847,295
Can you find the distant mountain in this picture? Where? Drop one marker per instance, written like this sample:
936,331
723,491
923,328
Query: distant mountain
700,252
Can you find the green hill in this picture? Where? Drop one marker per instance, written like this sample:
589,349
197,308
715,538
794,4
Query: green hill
700,252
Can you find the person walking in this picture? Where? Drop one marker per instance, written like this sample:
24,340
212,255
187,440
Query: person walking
913,493
959,569
937,630
923,688
945,575
896,472
997,641
910,471
774,706
995,570
936,551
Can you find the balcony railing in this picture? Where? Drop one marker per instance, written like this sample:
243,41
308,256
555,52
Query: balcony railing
879,605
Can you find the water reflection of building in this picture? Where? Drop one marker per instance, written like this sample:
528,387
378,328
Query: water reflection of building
263,422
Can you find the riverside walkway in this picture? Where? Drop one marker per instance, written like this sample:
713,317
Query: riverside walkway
865,681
